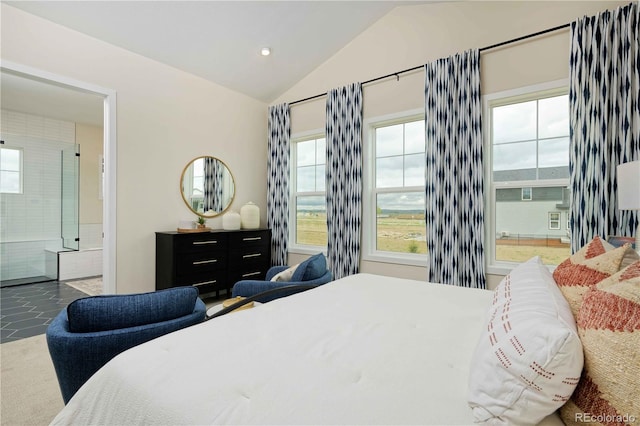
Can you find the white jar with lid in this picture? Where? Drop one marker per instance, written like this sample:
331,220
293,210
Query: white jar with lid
250,216
231,221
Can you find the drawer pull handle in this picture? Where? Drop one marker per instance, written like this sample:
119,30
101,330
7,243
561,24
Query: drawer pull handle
251,274
195,243
202,262
246,256
205,283
252,239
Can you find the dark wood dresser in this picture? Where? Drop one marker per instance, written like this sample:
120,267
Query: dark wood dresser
211,261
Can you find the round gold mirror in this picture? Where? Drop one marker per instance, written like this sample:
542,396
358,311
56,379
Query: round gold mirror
207,186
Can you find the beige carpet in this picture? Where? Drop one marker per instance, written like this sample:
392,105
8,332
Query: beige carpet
28,385
90,286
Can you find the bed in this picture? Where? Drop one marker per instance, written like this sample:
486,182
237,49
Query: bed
365,349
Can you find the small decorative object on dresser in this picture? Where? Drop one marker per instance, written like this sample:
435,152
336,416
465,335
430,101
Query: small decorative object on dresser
250,216
199,225
211,261
201,222
231,221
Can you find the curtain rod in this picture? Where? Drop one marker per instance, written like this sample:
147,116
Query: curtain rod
482,49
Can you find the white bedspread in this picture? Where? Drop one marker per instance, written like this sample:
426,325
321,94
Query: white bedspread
366,349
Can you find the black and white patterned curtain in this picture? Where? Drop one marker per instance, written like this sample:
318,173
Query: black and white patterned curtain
213,185
454,171
344,179
604,100
278,182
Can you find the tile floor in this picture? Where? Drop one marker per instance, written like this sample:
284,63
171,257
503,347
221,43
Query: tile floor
27,310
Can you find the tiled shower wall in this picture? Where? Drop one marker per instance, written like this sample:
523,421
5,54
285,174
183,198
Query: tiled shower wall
30,222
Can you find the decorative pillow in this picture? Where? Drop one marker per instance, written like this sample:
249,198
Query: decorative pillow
312,268
609,327
529,357
286,274
587,267
630,255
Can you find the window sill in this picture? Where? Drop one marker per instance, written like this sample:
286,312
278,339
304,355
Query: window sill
307,250
408,260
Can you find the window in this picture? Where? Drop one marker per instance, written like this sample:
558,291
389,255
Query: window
309,200
398,187
554,220
528,144
10,171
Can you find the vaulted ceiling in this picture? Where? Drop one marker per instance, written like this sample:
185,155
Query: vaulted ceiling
218,40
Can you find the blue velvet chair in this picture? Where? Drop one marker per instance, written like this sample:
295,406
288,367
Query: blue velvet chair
92,330
311,272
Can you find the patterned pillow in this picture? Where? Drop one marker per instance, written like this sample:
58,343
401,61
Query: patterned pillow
609,327
630,256
587,267
529,357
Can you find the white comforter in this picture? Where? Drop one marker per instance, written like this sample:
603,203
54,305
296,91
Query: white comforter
366,349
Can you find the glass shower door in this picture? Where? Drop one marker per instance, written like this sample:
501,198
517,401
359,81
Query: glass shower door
70,190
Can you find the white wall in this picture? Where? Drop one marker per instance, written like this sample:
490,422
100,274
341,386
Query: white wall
165,118
416,34
90,140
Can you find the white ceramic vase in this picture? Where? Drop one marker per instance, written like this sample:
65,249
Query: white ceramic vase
231,221
250,216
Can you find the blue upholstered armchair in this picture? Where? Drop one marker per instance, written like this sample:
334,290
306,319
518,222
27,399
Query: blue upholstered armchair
93,330
312,272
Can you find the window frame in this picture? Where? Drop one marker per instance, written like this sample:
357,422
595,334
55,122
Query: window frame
558,220
530,191
369,250
20,170
522,94
294,247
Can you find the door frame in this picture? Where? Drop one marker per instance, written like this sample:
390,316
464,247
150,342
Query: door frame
109,285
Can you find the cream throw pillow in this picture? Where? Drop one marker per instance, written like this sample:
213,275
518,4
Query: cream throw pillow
286,274
529,357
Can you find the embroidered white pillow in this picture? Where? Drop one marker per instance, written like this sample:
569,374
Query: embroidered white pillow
529,357
286,274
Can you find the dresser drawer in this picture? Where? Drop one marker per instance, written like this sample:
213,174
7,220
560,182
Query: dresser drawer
250,238
206,282
255,272
246,256
197,262
205,241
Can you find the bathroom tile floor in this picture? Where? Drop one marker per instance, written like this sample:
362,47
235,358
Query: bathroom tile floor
27,310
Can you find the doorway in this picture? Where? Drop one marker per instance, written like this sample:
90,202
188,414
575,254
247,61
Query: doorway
107,99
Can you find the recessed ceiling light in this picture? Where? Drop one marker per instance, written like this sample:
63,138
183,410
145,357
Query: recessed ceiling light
265,51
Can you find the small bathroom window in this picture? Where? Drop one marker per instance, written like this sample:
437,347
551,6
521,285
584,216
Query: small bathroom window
10,170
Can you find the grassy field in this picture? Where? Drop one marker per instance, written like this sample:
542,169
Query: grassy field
395,234
407,234
549,255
